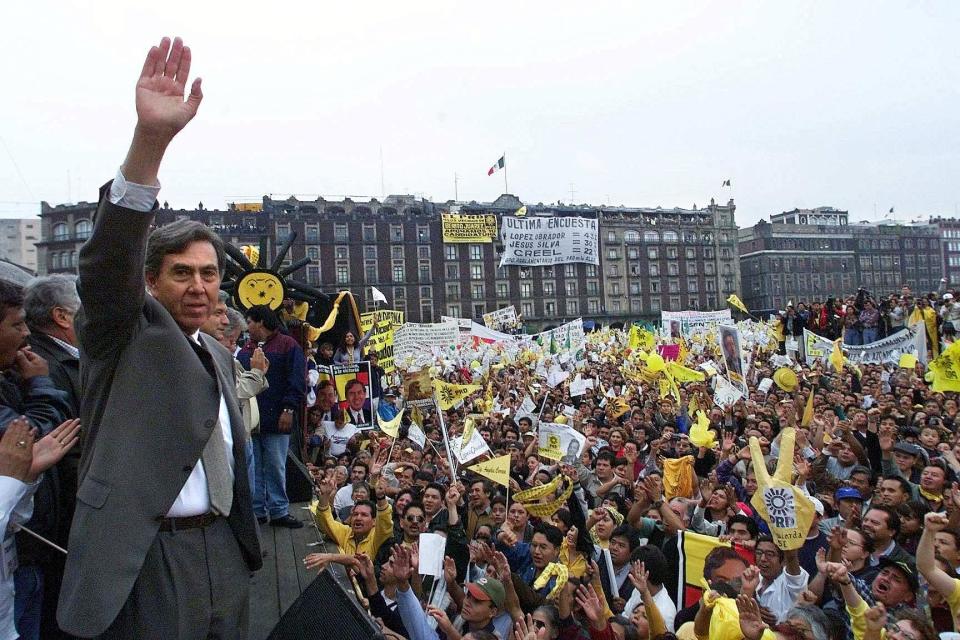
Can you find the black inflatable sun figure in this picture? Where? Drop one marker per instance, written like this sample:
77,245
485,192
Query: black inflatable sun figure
253,282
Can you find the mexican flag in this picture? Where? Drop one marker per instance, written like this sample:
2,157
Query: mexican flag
497,166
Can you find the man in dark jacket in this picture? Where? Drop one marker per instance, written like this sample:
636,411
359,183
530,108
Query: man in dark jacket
50,304
279,407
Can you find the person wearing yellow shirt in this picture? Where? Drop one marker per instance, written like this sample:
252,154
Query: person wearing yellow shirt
364,533
948,586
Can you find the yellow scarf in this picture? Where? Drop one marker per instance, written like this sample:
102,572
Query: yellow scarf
931,497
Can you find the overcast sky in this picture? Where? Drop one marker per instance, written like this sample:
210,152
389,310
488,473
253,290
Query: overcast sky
850,104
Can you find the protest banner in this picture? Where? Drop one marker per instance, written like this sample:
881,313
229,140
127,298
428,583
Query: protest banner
381,340
413,337
352,382
684,323
669,351
560,442
417,387
912,340
505,318
566,337
468,228
489,335
544,241
464,323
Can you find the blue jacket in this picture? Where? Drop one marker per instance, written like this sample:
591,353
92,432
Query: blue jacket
287,376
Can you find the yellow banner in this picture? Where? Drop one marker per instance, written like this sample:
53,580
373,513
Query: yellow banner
250,207
381,341
468,228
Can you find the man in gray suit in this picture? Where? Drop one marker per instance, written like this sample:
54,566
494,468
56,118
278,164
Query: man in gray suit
163,538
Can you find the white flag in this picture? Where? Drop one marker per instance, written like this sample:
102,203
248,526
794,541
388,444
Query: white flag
378,295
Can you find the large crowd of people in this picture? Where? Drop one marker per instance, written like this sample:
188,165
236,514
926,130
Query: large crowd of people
146,425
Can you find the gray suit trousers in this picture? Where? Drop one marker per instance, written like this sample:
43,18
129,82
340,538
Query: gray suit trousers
203,563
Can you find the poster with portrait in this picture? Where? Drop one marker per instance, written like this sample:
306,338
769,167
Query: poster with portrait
732,356
417,388
352,382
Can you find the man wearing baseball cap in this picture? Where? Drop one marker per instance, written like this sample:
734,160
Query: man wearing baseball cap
849,505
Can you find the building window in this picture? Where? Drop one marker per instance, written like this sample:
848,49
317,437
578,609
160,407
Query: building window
452,271
476,252
369,252
654,270
692,285
672,253
526,309
399,293
573,308
60,232
426,312
426,292
343,274
423,270
673,286
670,236
476,272
313,274
477,291
593,288
655,305
370,271
313,253
571,288
633,253
569,271
613,254
674,303
615,288
342,253
652,253
369,233
83,229
396,233
611,236
631,236
550,272
673,269
549,308
526,290
453,310
725,253
423,233
502,290
398,275
548,289
453,291
635,288
691,268
593,306
283,232
616,306
651,237
691,253
654,286
396,253
340,232
450,252
636,306
479,309
709,268
423,252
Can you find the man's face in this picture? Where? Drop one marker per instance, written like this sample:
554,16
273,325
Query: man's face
187,285
740,533
13,335
258,333
891,494
946,546
477,497
860,482
432,501
932,479
903,460
477,611
217,323
604,472
845,455
355,396
542,552
406,478
768,560
413,522
730,571
875,523
619,550
891,587
358,473
361,520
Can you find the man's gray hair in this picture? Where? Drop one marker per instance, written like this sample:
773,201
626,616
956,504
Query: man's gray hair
44,294
223,297
175,238
237,322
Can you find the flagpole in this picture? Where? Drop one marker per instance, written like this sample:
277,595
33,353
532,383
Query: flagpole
446,437
505,188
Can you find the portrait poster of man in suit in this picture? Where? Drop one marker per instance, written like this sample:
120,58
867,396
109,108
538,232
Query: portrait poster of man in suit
729,338
353,390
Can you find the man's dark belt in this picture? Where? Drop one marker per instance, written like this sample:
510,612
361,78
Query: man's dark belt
189,522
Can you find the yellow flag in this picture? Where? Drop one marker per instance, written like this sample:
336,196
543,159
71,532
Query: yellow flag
448,394
944,371
700,433
634,341
647,339
684,374
392,427
618,406
735,301
522,211
836,356
916,317
787,510
497,469
808,411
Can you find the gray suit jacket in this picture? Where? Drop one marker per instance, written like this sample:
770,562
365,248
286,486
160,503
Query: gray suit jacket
148,408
